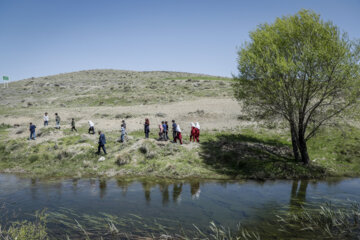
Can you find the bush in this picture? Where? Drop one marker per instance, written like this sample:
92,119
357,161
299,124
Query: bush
33,158
123,159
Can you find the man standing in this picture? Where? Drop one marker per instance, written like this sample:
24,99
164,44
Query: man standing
32,131
102,142
57,120
174,129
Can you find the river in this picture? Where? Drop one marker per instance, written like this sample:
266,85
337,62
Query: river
139,206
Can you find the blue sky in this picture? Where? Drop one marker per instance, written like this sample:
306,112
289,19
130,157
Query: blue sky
42,37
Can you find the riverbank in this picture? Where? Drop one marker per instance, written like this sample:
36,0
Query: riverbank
248,153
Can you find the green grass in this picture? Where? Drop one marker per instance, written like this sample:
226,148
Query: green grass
242,153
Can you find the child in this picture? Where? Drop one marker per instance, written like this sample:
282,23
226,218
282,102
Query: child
178,134
197,134
57,120
46,119
32,131
91,127
147,127
73,125
123,124
192,132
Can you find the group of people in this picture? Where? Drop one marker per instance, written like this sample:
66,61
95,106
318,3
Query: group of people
163,131
176,131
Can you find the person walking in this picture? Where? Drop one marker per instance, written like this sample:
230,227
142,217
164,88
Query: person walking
197,131
147,128
73,125
91,127
178,134
192,132
174,129
102,142
57,120
167,130
123,132
46,119
123,124
161,132
32,132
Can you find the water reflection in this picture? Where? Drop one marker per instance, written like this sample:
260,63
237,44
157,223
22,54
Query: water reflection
298,194
102,187
177,189
195,190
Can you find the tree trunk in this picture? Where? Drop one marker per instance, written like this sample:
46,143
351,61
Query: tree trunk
303,150
294,142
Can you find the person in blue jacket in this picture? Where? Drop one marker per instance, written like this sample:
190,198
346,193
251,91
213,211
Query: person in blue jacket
174,129
102,142
32,131
164,130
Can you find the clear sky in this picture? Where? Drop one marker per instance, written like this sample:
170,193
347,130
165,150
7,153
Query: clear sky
45,37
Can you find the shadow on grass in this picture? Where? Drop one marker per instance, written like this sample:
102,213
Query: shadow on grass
246,156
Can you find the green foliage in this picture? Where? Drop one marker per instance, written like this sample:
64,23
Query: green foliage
301,69
27,230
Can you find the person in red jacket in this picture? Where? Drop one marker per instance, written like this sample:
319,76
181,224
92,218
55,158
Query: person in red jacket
197,131
193,132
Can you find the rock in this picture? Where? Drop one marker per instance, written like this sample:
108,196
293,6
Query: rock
20,131
101,159
160,115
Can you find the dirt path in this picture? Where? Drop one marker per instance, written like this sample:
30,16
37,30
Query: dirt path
211,113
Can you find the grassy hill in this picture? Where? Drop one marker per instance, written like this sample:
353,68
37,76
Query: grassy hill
232,144
112,88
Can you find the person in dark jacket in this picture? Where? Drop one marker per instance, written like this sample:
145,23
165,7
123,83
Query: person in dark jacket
73,125
167,130
57,120
174,129
123,124
102,142
32,131
147,128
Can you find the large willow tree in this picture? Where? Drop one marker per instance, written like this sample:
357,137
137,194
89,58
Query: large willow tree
299,68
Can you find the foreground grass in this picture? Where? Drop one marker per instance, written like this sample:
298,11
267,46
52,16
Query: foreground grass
236,154
322,222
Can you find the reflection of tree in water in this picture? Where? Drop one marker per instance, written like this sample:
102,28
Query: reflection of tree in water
298,194
102,186
177,188
195,189
164,188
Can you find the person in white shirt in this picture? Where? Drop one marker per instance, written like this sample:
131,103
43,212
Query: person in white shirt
91,127
46,119
197,132
178,134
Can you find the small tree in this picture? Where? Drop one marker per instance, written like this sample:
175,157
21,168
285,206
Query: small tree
301,69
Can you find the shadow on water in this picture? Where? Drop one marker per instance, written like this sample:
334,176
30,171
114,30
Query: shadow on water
237,154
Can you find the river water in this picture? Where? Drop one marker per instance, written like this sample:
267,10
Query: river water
139,206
